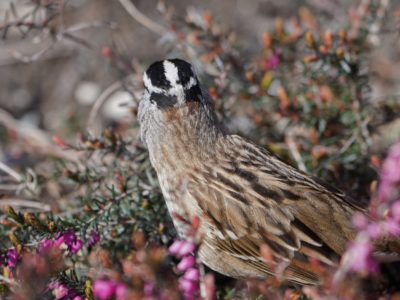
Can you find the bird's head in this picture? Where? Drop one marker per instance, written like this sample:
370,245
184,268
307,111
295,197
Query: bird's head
171,83
174,104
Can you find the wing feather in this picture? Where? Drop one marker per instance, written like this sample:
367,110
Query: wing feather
250,198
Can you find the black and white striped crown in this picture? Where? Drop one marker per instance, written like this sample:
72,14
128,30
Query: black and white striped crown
171,82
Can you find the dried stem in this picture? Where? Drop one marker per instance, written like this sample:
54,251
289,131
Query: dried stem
35,138
11,172
295,154
7,280
100,101
141,18
24,203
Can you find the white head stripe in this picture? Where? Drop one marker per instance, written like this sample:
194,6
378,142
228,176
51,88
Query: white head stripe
149,85
171,72
192,82
147,81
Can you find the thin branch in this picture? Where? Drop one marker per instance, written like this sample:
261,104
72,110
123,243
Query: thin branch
7,280
100,101
11,172
346,145
10,187
295,153
60,36
35,138
34,57
141,18
95,24
24,203
108,206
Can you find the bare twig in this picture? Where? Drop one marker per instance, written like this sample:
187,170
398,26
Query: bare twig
34,57
24,203
295,153
108,206
96,24
60,36
35,138
346,145
11,172
7,280
10,187
63,33
100,101
365,132
141,18
376,26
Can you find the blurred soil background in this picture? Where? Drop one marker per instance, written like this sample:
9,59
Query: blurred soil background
45,90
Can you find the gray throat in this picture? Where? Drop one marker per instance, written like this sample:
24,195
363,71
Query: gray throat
190,133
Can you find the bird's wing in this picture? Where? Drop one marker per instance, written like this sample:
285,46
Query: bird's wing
250,198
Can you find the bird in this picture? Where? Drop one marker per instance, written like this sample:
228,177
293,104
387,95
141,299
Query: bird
244,196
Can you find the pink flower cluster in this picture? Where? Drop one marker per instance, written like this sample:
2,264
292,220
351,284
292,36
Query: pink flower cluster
390,175
189,282
12,257
70,239
272,62
104,289
385,208
93,239
61,291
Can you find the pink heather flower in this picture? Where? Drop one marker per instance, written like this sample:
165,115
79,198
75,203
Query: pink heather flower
59,241
187,248
374,230
189,288
70,239
392,227
104,289
60,291
186,263
273,62
192,274
121,291
210,288
13,257
360,221
391,165
93,239
148,289
78,298
76,246
45,245
182,248
395,211
385,190
175,247
390,174
359,256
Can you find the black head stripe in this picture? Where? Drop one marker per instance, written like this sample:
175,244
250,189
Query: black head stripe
193,94
163,101
156,74
184,70
182,87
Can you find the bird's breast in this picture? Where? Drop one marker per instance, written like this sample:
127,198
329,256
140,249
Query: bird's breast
181,207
